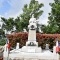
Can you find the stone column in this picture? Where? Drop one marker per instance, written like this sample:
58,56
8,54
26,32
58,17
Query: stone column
17,46
32,32
32,35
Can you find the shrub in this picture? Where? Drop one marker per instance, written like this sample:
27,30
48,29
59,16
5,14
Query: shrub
2,41
42,39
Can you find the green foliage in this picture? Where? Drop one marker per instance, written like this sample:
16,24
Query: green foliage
2,41
33,8
54,18
1,33
17,24
7,23
20,23
49,29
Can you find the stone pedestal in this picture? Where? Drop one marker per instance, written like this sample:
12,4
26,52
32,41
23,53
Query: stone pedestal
32,35
31,49
32,38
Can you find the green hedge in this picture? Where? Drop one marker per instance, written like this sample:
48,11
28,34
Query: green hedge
42,39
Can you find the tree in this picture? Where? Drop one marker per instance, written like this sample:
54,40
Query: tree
54,18
2,42
22,21
18,24
1,33
49,29
7,23
33,8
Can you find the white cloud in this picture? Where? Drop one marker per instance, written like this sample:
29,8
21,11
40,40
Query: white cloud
16,7
43,21
44,17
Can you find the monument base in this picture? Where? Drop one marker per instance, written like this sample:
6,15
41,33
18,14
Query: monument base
32,53
31,49
32,43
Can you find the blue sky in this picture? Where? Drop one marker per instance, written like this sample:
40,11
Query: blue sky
12,8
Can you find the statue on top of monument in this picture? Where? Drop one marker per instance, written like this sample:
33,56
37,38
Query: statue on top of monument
32,23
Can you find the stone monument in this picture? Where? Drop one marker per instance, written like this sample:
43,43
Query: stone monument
31,44
32,32
31,51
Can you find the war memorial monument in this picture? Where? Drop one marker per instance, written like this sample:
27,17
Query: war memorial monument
31,51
